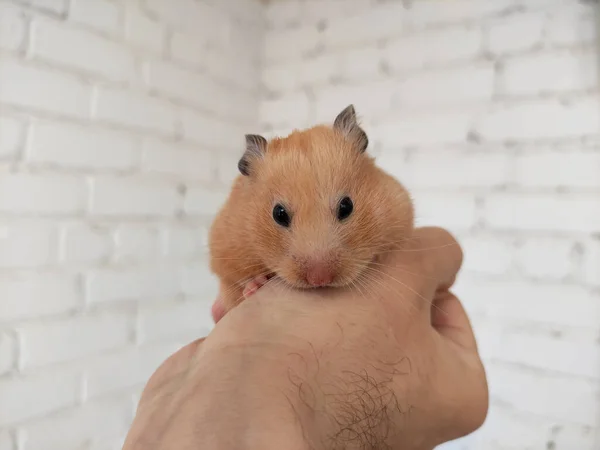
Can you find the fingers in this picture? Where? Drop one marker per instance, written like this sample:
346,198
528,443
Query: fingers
450,319
218,310
428,264
437,253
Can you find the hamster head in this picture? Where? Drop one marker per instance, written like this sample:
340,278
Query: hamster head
320,210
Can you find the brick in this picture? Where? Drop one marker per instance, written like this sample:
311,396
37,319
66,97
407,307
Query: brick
455,211
201,19
446,87
133,196
316,10
184,48
569,26
77,147
176,320
374,100
51,389
537,212
30,295
591,268
85,244
247,38
177,160
387,22
186,242
241,106
439,12
280,14
203,201
198,281
571,168
6,440
541,119
82,51
431,170
555,354
433,48
532,258
287,110
528,431
530,302
45,194
183,85
44,89
278,44
143,31
27,244
12,136
76,426
415,129
136,243
246,13
357,64
8,354
226,67
135,110
209,131
515,34
13,28
124,369
227,170
487,255
100,15
119,284
113,443
573,400
53,342
55,7
550,73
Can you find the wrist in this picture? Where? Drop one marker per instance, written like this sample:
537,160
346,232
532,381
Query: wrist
236,408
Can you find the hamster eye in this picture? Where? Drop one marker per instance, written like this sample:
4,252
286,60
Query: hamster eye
344,208
281,216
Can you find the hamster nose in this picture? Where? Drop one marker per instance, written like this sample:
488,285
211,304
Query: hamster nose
319,274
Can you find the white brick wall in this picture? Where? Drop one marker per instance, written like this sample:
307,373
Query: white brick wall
112,132
120,127
489,111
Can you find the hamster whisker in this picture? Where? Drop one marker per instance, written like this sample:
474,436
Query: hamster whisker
354,284
230,259
366,263
372,279
406,286
422,249
247,267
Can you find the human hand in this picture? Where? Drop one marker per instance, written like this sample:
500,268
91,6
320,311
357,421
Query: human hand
389,363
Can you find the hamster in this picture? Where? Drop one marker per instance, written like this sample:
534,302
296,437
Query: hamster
311,209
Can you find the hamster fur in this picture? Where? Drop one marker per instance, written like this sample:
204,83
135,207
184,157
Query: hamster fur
288,213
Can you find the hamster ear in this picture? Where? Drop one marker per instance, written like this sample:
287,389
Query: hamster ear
347,123
255,147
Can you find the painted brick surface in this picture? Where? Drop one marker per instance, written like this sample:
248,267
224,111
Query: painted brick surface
110,142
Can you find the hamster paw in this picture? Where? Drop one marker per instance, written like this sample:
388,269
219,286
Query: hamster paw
254,285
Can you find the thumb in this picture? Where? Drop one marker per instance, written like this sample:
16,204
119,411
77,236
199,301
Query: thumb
450,319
